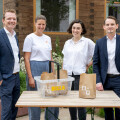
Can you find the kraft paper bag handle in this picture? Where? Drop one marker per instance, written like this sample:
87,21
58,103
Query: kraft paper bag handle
58,66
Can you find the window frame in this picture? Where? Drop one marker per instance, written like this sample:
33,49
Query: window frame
106,5
58,33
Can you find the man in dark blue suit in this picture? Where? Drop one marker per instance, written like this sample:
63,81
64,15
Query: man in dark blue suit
9,66
106,63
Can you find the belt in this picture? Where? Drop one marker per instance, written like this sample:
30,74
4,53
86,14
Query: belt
15,73
113,75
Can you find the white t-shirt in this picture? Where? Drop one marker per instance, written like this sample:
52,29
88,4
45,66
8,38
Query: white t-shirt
77,55
39,46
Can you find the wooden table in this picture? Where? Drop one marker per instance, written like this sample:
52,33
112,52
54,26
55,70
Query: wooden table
103,99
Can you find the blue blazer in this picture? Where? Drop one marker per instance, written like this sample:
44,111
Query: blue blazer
6,56
100,58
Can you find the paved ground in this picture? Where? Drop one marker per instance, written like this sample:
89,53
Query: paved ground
63,115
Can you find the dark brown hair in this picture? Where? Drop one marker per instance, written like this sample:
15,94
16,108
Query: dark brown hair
69,30
9,10
111,17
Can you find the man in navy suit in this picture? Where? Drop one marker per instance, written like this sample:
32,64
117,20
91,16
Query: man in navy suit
9,66
106,63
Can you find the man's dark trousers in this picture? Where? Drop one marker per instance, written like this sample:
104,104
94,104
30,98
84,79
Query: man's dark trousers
112,84
10,92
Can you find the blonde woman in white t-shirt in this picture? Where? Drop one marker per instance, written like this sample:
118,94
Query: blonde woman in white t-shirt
37,53
78,53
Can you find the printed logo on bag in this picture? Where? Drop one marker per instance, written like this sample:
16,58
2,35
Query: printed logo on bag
87,91
56,88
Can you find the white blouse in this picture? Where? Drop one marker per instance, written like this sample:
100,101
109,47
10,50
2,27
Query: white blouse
39,46
77,55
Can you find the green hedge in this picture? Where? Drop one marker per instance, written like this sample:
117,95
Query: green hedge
22,82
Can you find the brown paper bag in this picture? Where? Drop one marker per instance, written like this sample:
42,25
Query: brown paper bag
63,75
47,76
87,86
48,90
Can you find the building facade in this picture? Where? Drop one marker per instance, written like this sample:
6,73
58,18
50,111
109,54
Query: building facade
59,14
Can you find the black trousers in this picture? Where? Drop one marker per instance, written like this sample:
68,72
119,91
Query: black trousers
10,92
73,110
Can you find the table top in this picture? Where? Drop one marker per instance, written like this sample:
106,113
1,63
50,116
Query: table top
103,99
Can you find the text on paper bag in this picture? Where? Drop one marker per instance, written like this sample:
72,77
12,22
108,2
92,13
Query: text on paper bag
87,91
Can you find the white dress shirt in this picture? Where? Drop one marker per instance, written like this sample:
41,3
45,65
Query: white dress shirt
15,50
77,55
111,47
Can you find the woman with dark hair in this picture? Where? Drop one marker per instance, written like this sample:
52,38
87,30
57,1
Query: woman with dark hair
78,52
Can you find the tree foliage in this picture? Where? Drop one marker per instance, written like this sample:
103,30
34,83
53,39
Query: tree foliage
55,11
113,1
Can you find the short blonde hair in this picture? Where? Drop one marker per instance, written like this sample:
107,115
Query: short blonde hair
9,10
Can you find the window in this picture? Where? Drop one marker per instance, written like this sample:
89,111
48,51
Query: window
59,13
1,13
114,10
113,0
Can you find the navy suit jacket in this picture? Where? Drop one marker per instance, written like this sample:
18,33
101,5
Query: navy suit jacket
6,56
100,58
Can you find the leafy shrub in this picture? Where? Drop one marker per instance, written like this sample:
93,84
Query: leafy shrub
57,47
90,70
57,58
22,82
22,65
101,113
57,54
